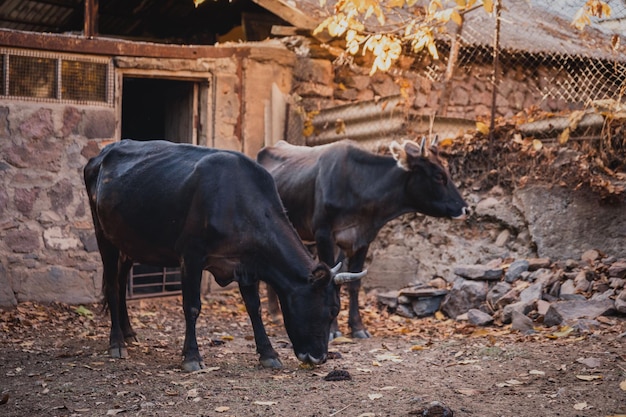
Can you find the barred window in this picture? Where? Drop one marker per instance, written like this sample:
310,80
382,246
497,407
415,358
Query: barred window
47,77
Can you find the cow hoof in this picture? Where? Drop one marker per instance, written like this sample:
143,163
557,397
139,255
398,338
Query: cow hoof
271,363
192,366
118,353
334,335
361,334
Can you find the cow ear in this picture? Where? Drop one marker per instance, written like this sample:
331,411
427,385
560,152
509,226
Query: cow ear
399,154
321,276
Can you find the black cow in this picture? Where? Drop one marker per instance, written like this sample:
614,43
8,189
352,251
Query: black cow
167,204
340,196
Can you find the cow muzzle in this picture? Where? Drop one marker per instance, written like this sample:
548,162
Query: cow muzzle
343,277
465,212
308,359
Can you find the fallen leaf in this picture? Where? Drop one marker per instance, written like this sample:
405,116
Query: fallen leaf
589,377
115,411
418,347
265,402
388,388
509,383
536,372
341,340
467,361
374,396
367,415
83,311
537,144
622,385
468,391
563,331
580,406
222,408
590,362
389,357
482,128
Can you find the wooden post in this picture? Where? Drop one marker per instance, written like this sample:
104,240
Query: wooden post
91,18
496,67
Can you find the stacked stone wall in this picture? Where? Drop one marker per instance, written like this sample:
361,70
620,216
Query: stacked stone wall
47,248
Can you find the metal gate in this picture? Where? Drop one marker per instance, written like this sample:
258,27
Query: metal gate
151,281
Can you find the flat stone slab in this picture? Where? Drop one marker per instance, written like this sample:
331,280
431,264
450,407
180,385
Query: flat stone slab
562,311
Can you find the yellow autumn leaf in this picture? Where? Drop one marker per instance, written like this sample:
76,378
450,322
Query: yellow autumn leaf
227,337
341,340
456,17
537,144
488,5
564,136
622,385
418,347
563,331
198,2
445,142
439,315
482,128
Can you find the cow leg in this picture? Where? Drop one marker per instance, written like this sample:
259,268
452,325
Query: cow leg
355,264
191,275
111,266
267,355
124,266
273,307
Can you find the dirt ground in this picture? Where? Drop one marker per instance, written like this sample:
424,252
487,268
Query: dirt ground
53,363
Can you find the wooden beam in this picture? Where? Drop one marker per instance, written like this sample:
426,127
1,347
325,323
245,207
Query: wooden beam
91,18
111,47
289,13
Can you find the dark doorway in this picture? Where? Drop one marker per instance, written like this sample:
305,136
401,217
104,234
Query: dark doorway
155,108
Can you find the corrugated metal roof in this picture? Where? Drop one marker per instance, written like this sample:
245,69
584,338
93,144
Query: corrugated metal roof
531,26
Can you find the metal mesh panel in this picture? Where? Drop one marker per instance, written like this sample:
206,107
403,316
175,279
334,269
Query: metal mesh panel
83,81
32,77
52,77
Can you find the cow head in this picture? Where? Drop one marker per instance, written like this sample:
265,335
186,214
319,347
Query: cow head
428,186
309,311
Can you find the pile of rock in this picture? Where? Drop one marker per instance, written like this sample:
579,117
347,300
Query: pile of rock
523,292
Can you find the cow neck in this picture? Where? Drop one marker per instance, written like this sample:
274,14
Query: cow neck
288,264
386,193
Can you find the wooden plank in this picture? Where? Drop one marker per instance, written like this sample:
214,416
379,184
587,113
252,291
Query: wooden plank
91,18
112,47
288,13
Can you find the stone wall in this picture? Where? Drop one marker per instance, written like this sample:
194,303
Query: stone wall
469,94
47,247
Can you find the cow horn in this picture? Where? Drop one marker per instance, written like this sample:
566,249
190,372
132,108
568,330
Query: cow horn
423,147
435,142
344,277
335,269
